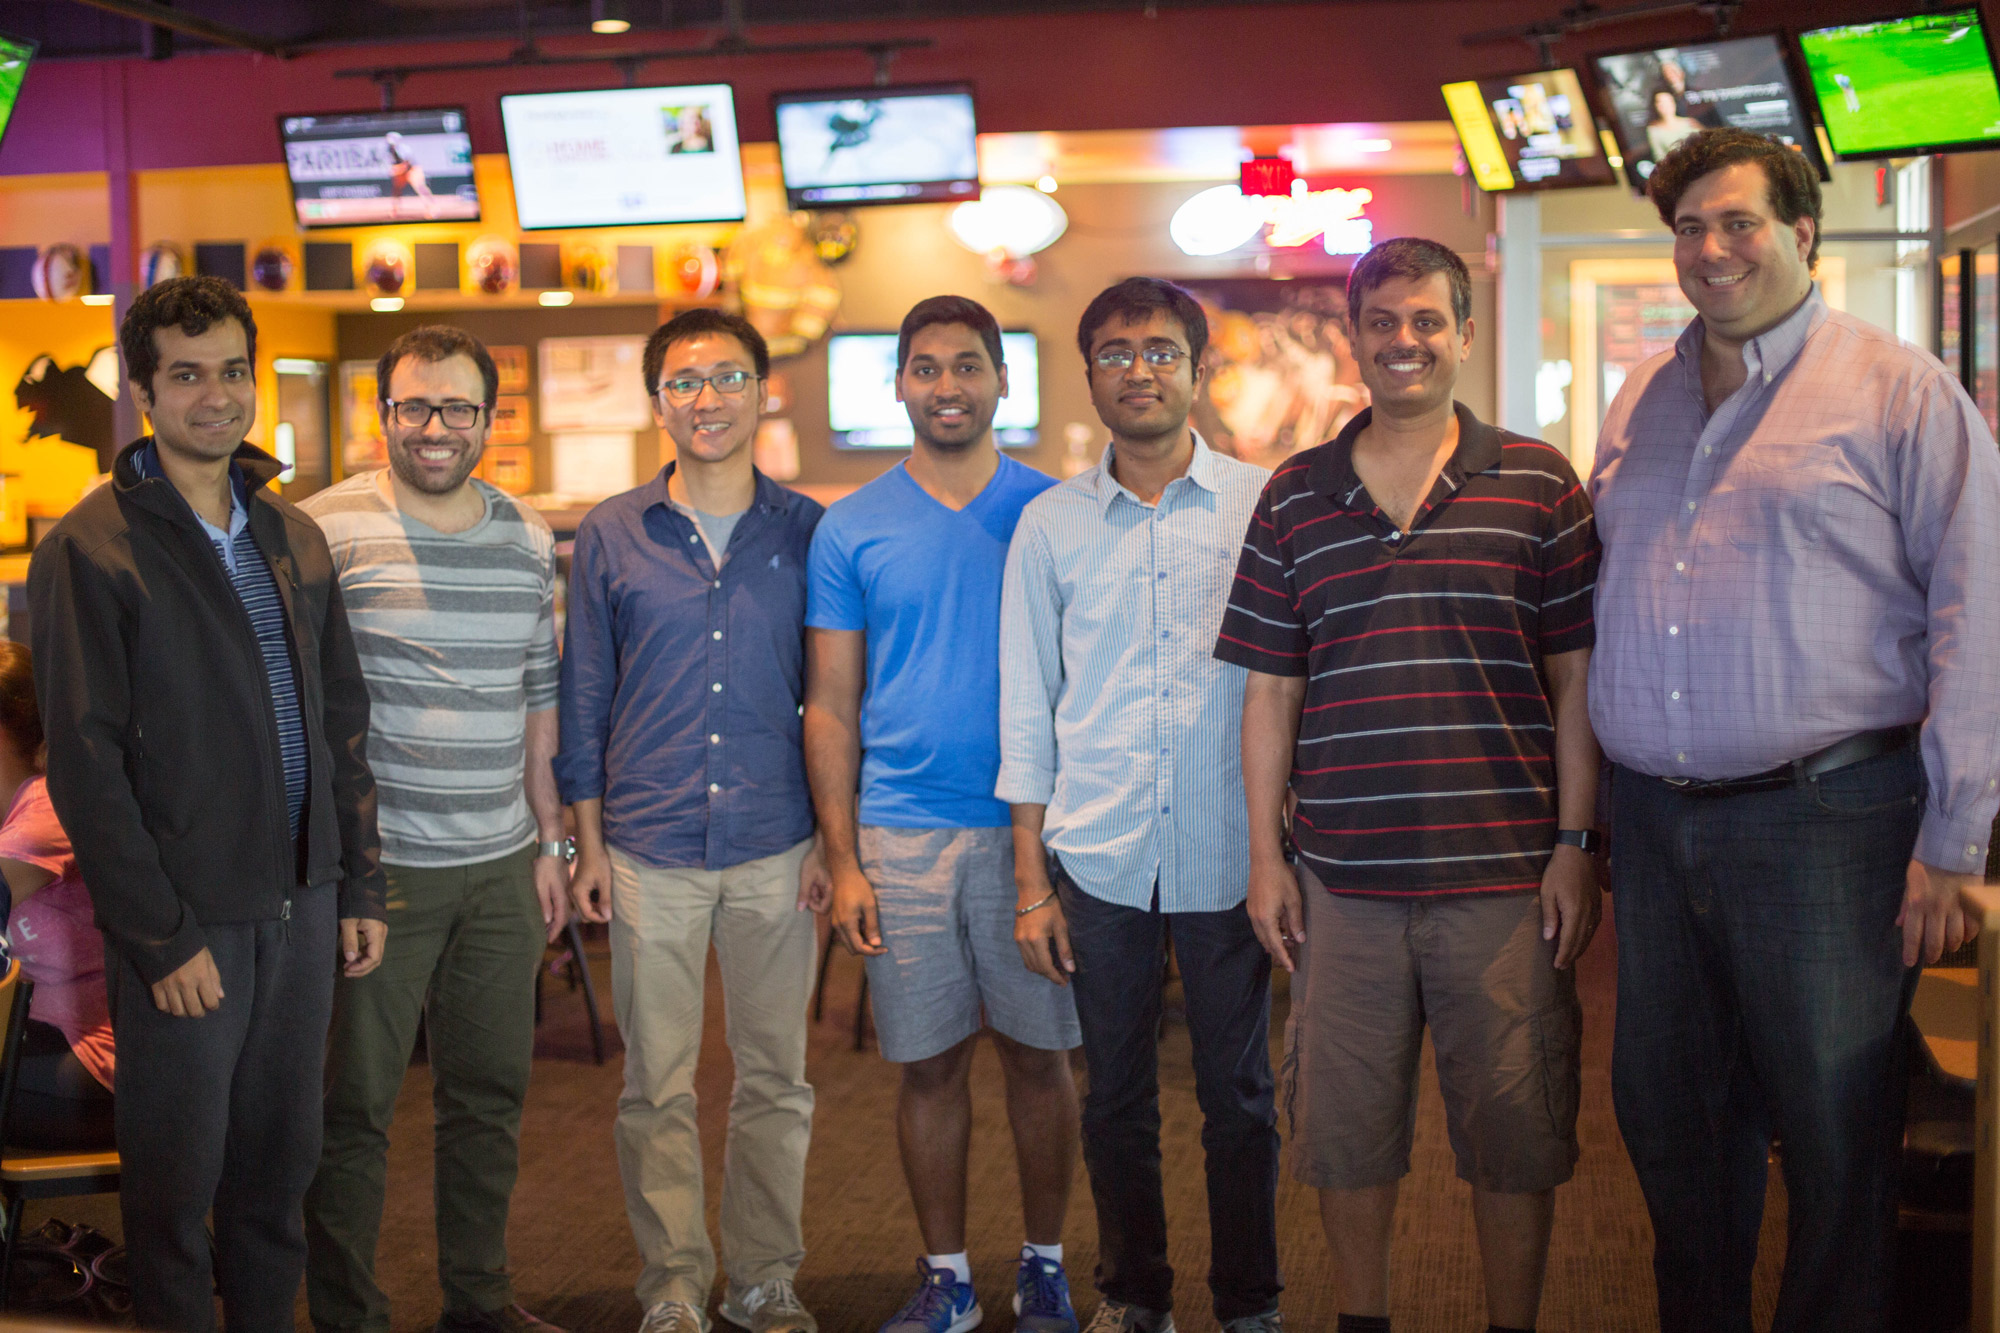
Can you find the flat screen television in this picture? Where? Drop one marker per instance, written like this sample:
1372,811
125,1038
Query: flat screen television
624,157
843,147
364,168
1528,131
1661,95
861,393
15,53
1903,86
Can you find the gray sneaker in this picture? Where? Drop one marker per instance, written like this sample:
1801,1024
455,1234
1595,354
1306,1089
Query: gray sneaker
1268,1322
769,1307
1118,1317
674,1317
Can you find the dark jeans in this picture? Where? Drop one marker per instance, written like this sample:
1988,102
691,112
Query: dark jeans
58,1106
1761,990
223,1112
1226,975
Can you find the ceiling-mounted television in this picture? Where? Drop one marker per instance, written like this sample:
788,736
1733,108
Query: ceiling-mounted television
861,393
1528,131
843,147
1662,95
15,53
365,168
1898,87
624,157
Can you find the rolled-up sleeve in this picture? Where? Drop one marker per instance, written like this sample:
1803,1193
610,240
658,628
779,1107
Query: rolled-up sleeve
1031,670
589,674
1950,482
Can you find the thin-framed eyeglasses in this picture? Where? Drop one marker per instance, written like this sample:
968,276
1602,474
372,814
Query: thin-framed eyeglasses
1162,356
416,414
687,388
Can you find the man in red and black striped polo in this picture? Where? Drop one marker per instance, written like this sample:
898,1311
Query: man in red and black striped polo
1413,604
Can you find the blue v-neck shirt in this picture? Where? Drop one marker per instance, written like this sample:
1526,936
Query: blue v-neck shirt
923,582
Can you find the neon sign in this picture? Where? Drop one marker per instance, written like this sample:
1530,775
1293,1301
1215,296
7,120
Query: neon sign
1219,220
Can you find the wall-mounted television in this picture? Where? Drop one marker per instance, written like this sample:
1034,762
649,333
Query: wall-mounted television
365,168
15,53
843,147
861,393
1904,86
1528,131
1662,95
624,157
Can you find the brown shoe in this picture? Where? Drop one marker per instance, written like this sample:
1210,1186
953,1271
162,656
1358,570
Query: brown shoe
506,1319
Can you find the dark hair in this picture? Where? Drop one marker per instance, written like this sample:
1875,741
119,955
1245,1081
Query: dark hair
949,310
1133,301
434,343
1793,184
693,324
19,716
192,305
1413,259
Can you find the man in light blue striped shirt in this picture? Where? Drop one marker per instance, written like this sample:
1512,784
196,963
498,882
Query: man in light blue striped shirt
1120,755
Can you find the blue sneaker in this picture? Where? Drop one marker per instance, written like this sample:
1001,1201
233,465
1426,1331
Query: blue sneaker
942,1305
1041,1297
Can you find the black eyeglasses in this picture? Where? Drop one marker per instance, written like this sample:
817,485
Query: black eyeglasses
687,388
1163,357
415,413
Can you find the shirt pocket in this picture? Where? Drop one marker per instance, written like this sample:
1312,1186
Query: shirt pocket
1774,494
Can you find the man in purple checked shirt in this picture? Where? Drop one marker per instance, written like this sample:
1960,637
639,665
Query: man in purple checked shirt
1797,677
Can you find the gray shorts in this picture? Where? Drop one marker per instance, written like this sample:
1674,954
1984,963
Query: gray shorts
945,902
1504,1023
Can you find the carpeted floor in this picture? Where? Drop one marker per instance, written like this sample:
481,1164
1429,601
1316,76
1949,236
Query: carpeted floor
574,1260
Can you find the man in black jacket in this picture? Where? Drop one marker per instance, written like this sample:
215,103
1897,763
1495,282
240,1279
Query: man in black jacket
206,720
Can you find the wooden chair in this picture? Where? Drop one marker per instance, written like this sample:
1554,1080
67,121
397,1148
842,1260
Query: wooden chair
28,1175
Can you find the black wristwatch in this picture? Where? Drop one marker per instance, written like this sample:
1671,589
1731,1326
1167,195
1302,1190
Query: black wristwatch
1585,840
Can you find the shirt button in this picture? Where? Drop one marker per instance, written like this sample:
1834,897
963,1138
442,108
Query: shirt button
718,582
1163,694
1673,629
1164,810
1676,694
1690,506
1708,448
718,634
1166,634
717,687
1680,566
714,787
1972,850
1395,536
694,537
714,738
1681,758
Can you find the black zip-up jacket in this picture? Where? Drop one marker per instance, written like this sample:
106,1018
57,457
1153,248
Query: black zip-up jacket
163,757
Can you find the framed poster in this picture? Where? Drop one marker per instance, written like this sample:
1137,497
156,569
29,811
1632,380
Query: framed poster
512,363
511,420
362,447
593,384
1622,313
510,467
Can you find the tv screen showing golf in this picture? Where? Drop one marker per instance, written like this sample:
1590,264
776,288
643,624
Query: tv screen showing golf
878,146
15,53
1659,97
1528,131
861,393
363,168
1920,84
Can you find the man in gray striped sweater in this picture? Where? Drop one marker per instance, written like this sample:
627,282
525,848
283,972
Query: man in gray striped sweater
450,586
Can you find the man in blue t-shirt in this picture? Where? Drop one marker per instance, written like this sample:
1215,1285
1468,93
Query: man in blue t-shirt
903,701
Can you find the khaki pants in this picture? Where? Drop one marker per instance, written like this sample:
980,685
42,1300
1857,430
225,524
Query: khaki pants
660,927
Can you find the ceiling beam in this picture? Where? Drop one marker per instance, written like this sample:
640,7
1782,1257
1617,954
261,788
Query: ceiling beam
163,16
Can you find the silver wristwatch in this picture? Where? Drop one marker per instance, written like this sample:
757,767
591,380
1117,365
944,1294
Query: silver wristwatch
563,850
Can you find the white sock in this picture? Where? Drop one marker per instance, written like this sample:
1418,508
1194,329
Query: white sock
1042,1251
960,1266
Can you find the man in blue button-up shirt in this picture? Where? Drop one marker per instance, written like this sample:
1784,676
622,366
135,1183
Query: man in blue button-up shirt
1120,743
682,681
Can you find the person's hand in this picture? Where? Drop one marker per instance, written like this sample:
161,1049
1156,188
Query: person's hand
1042,935
1572,902
362,940
552,887
853,913
1277,913
1933,919
815,885
190,990
590,887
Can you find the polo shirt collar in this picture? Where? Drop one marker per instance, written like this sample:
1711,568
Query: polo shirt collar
1201,470
1332,474
1766,354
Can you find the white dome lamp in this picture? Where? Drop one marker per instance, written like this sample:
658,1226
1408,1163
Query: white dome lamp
1007,224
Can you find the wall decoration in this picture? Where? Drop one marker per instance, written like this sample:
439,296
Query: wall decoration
510,467
62,273
272,267
591,464
494,264
159,262
437,266
834,235
586,268
593,384
329,266
1281,375
512,365
787,291
362,446
511,420
72,403
386,266
693,271
228,260
635,268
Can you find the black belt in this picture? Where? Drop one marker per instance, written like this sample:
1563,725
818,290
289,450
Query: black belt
1866,745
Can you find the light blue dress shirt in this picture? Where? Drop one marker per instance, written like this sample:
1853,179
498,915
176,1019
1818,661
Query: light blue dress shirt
1114,712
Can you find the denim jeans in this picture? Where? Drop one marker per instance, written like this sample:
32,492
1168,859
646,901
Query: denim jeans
1226,976
1761,991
